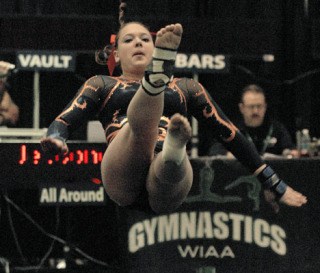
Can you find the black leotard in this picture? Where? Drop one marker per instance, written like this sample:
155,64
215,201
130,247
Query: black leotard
107,99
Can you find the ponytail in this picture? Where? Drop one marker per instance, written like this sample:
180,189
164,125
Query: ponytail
105,56
122,9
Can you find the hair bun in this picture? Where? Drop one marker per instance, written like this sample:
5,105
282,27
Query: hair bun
102,55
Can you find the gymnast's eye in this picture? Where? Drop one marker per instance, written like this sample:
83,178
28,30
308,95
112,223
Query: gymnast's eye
145,38
127,40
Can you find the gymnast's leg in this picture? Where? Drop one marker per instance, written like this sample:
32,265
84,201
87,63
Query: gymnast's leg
170,175
126,162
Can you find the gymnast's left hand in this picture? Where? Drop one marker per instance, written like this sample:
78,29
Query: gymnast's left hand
54,146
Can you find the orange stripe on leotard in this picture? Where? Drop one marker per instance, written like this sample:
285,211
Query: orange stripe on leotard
173,85
75,103
110,94
123,84
214,112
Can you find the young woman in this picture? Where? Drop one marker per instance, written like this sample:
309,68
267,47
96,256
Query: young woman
144,115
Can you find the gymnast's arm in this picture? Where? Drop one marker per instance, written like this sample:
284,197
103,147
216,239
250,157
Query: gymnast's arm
205,110
84,106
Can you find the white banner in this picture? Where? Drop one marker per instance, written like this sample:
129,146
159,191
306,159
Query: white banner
45,60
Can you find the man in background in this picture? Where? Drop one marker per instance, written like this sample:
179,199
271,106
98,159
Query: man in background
269,136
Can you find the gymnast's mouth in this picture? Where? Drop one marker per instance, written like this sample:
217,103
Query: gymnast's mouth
138,53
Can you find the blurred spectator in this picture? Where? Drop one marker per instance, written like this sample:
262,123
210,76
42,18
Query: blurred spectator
9,111
268,135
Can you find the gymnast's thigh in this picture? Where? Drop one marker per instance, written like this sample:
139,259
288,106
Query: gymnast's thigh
125,166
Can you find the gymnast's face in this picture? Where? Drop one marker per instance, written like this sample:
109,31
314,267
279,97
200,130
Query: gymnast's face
134,48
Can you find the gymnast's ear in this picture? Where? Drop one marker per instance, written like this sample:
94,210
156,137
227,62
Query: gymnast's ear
116,55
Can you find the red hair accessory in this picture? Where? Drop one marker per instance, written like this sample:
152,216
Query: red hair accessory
111,62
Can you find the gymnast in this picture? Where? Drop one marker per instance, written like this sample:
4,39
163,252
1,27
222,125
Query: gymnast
144,114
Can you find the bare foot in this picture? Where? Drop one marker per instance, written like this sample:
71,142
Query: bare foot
169,36
179,128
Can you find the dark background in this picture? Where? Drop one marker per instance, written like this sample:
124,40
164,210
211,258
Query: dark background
102,230
245,30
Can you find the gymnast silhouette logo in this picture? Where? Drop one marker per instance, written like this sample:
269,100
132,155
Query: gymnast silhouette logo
206,181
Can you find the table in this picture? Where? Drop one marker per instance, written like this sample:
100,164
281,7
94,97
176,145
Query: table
225,225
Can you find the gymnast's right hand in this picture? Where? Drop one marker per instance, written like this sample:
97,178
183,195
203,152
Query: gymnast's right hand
54,146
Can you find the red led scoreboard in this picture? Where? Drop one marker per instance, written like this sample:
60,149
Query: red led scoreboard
25,165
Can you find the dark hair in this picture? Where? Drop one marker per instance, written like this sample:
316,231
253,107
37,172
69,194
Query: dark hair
102,55
252,88
105,56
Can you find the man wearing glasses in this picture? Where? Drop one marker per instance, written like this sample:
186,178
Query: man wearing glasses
269,136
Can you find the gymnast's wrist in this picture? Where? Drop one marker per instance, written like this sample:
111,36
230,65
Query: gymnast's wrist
271,181
57,137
